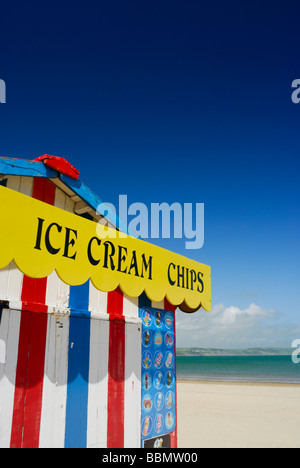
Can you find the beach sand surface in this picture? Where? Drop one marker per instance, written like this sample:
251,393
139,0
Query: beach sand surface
238,415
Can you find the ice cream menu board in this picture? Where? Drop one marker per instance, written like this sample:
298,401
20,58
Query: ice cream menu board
158,375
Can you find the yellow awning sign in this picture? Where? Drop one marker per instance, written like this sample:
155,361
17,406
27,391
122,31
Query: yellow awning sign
41,238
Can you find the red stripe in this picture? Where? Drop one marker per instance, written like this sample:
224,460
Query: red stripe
169,306
115,304
20,385
31,353
116,371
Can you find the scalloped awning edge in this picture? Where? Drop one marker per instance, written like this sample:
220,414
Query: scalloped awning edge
41,239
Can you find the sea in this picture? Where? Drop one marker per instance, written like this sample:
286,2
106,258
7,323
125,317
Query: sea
271,369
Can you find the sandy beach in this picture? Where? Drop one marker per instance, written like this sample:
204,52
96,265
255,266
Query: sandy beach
238,415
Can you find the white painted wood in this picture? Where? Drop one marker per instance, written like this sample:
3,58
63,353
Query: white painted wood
98,384
97,302
60,199
4,279
9,335
13,183
57,294
93,299
52,429
132,386
130,306
15,283
11,280
69,205
26,186
20,184
62,187
63,201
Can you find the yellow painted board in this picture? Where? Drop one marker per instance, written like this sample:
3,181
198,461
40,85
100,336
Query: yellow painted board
41,238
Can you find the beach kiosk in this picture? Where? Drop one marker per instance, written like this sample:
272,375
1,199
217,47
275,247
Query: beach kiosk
87,317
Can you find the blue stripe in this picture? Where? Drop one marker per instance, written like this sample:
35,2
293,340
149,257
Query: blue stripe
78,368
79,300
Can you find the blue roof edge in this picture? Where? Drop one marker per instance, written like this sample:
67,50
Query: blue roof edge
23,167
26,168
97,204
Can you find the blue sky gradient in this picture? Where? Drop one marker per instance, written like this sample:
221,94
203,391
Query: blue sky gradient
182,101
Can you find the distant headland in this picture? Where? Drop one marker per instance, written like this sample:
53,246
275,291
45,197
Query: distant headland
234,352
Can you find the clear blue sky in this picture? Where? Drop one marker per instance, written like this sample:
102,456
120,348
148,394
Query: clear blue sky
175,101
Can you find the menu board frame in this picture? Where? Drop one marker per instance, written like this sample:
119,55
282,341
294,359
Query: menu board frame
158,398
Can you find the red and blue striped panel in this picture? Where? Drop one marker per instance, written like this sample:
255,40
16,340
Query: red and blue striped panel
69,370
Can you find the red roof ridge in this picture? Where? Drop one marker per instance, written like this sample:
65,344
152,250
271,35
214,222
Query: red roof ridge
60,165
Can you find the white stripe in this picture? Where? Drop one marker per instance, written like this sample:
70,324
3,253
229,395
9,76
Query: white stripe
57,295
58,292
11,280
132,386
15,283
70,205
26,186
130,306
97,302
52,429
60,199
63,201
4,279
13,183
9,335
98,384
20,184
